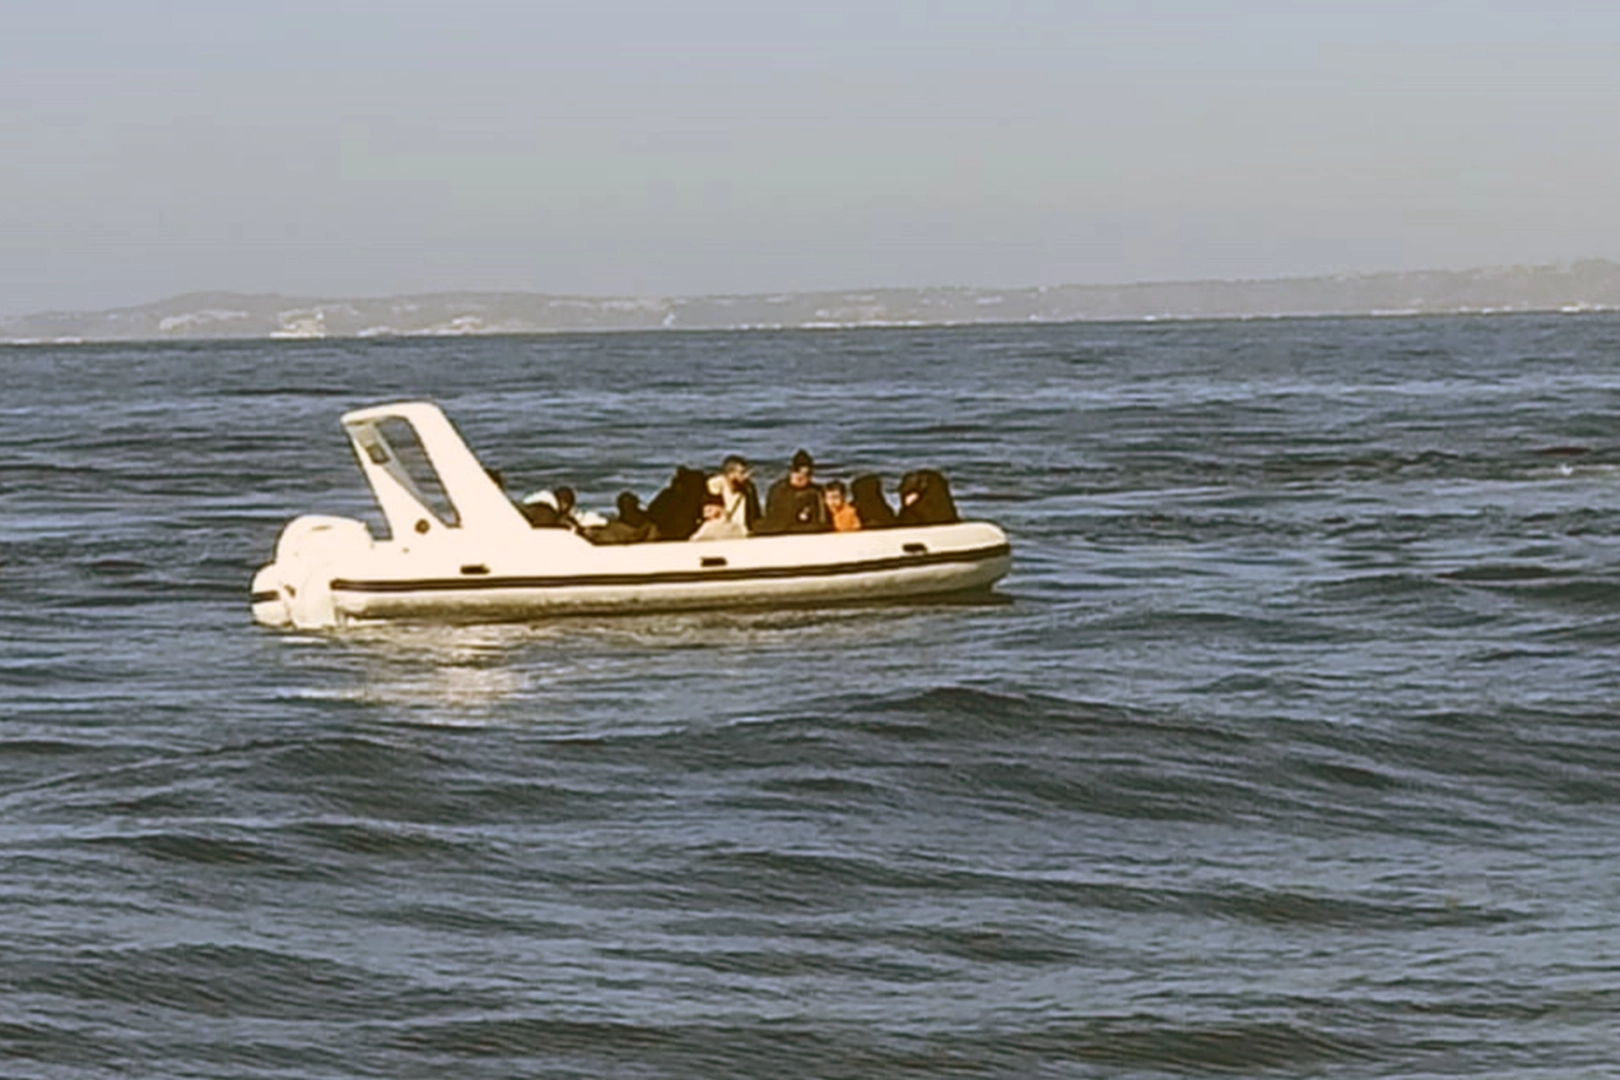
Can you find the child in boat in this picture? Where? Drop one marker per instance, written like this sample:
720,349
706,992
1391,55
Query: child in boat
843,516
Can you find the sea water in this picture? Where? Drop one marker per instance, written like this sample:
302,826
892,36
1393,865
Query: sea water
1289,747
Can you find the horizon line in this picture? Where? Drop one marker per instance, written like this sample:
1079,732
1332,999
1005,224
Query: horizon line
1141,283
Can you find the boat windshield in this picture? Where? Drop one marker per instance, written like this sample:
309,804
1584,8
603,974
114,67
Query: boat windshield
394,437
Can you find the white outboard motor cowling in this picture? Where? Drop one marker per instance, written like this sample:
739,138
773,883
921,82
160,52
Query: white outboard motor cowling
295,591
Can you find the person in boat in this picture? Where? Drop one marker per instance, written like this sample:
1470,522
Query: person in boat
866,494
584,518
677,511
739,498
541,509
629,526
840,511
925,499
716,525
795,503
552,509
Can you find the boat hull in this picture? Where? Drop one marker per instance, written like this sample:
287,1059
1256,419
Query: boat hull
525,598
567,576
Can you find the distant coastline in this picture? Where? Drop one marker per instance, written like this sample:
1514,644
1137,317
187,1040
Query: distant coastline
1587,285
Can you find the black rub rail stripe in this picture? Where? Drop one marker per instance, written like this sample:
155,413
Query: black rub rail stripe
670,577
264,597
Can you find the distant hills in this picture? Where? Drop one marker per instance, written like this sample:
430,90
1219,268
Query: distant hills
1589,285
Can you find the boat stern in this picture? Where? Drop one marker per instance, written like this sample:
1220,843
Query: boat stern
295,590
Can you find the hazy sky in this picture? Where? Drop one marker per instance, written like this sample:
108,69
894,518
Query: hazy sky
149,147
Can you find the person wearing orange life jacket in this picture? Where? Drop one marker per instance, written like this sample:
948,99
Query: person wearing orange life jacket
840,512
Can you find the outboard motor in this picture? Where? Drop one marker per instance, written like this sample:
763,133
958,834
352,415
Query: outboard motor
295,590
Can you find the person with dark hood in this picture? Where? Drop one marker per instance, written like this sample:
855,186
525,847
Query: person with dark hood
795,503
925,499
866,494
677,511
629,526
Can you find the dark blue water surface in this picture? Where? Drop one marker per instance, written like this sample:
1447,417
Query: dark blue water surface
1293,749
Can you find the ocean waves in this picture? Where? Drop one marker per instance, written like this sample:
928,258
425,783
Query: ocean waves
1286,749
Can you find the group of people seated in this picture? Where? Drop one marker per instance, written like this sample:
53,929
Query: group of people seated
726,506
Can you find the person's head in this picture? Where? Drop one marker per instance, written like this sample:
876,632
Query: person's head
835,495
801,469
565,498
689,483
628,504
736,470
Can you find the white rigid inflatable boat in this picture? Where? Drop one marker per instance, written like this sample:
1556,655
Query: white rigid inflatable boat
461,551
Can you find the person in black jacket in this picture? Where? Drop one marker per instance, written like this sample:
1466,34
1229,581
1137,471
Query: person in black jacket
794,503
630,526
677,511
925,499
866,493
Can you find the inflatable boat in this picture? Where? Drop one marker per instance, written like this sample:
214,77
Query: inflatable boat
459,550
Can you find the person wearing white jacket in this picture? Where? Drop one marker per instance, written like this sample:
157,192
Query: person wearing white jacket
739,499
